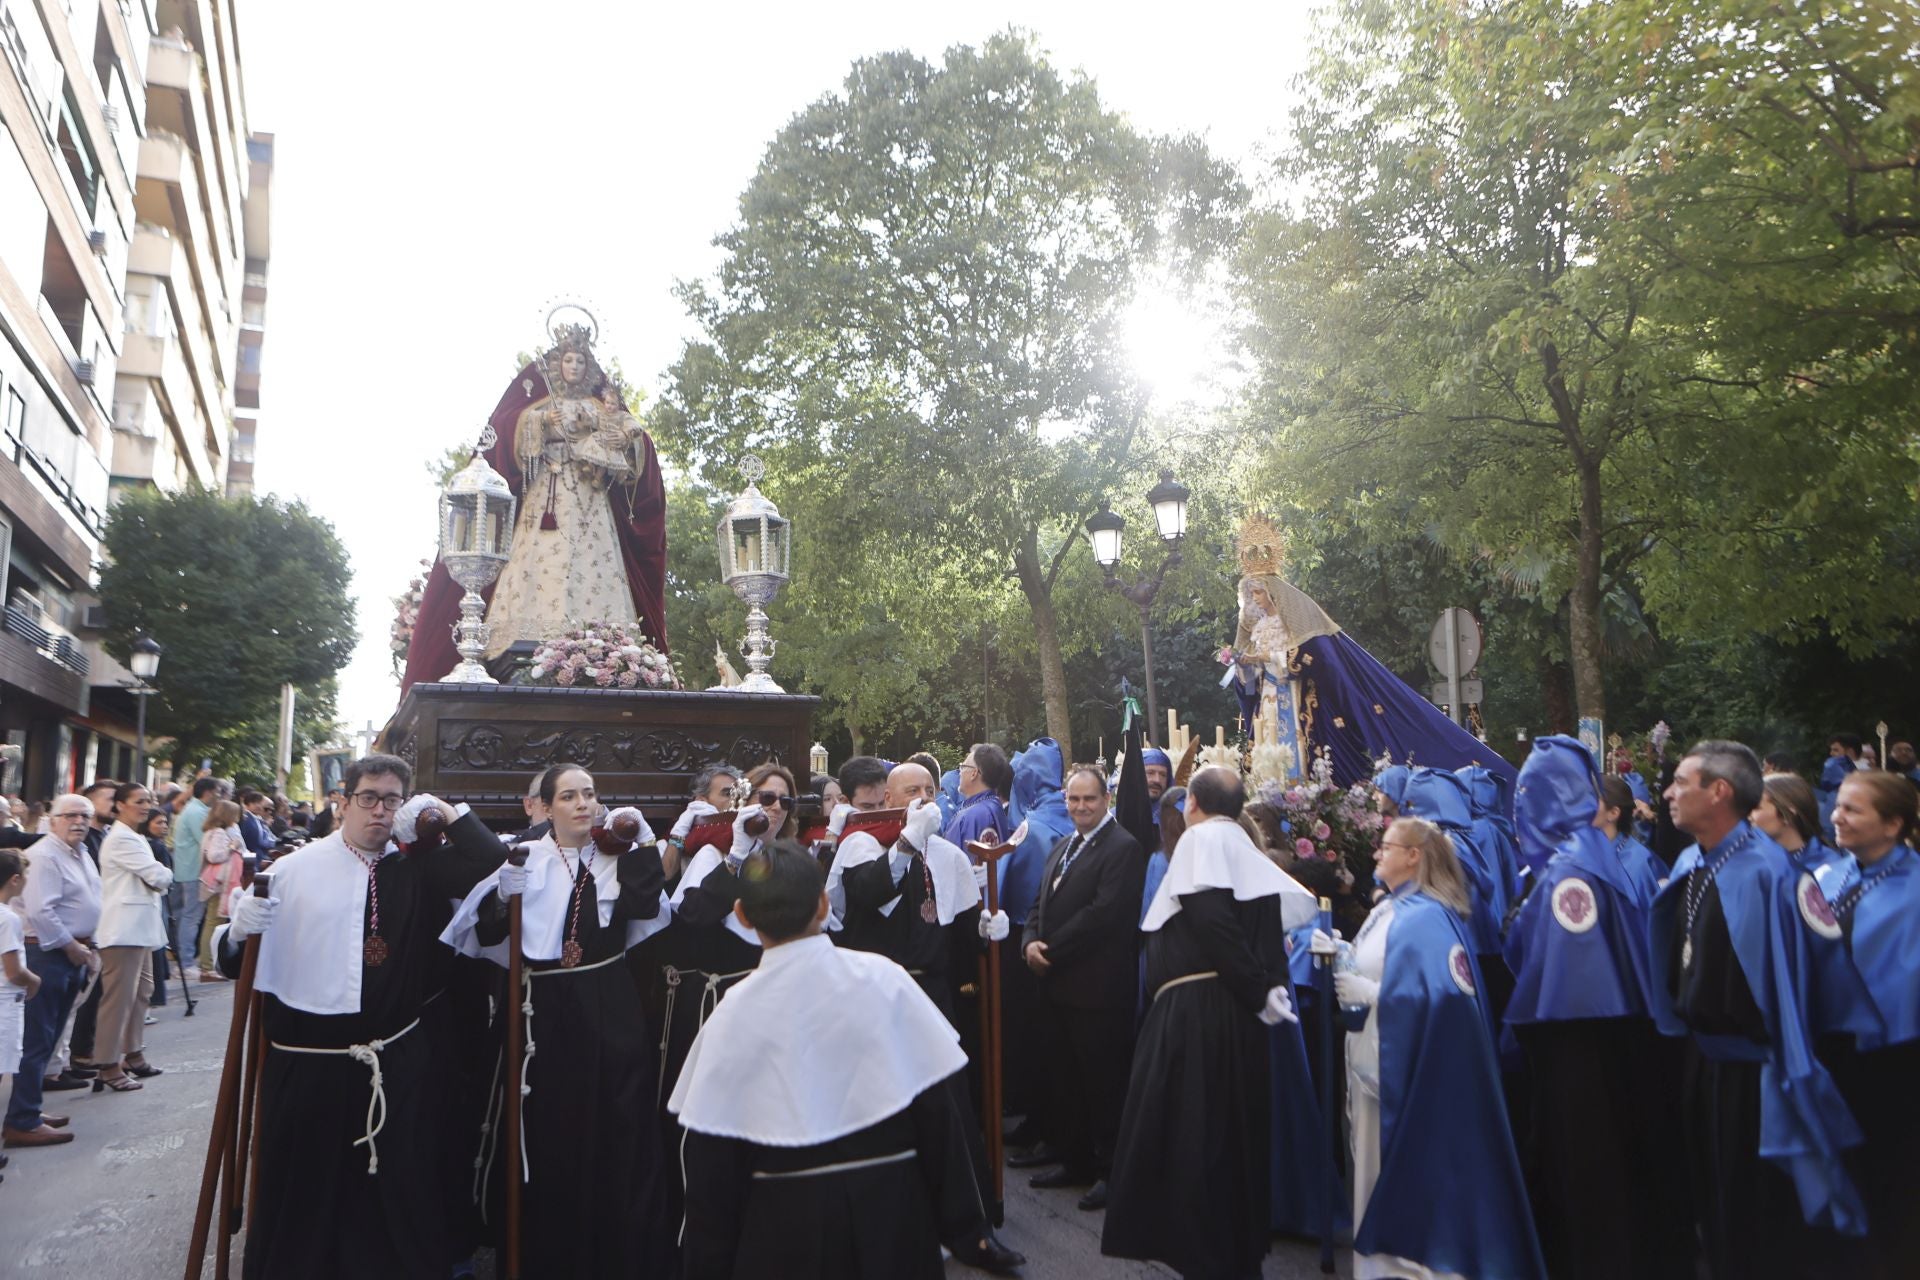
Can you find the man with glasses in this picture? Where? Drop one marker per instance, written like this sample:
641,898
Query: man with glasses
352,1091
985,777
62,907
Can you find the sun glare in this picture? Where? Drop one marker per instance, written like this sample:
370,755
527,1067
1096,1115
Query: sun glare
1174,343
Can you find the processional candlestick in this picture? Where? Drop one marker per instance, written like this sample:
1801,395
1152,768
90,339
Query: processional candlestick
476,536
755,541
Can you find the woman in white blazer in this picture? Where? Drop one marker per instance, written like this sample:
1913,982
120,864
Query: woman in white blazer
133,884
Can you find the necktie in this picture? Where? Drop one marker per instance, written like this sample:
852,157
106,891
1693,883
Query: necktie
1073,851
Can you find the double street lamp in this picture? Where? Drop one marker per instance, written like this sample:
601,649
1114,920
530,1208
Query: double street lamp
1105,529
144,662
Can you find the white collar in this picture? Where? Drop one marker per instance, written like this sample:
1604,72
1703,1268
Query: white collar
954,889
546,905
816,1043
1216,854
311,958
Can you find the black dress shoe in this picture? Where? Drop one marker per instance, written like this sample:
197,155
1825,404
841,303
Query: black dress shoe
988,1254
1096,1198
1061,1177
1033,1157
64,1081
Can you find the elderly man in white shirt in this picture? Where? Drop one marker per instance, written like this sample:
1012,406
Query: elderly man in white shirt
62,906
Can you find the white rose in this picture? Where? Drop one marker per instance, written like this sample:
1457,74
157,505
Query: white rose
536,672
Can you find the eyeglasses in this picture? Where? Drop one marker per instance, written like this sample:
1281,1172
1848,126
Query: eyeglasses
1399,844
765,798
369,799
968,764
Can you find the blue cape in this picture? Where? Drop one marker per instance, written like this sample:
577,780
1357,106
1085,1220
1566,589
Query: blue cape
976,816
1492,829
1299,1179
1038,802
1363,711
1886,949
948,796
1643,867
1441,798
1156,872
1392,783
1578,948
1839,1001
1450,1194
1804,1124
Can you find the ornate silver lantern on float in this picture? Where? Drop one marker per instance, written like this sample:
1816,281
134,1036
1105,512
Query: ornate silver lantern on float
476,534
755,540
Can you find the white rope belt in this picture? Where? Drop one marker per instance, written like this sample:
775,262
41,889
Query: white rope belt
844,1166
615,958
1183,981
709,1001
368,1055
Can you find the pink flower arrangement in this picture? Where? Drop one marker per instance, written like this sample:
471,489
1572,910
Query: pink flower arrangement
406,614
605,655
1328,823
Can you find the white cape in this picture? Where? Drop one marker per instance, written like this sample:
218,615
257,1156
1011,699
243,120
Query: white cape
1217,854
311,957
817,1043
702,866
544,908
954,889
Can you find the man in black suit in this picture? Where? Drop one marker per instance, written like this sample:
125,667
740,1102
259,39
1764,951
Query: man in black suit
1082,940
329,816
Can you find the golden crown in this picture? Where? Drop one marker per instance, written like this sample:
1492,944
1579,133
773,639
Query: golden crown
1263,547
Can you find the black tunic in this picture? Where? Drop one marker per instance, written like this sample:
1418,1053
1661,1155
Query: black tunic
881,1222
592,1203
313,1180
1191,1170
697,960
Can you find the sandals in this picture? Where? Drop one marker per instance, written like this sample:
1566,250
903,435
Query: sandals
119,1084
142,1071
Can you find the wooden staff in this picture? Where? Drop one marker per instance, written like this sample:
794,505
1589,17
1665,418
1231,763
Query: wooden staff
989,851
226,1104
1333,1187
516,1060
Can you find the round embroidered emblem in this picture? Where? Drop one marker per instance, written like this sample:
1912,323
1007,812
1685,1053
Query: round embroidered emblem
1815,909
1460,965
1574,905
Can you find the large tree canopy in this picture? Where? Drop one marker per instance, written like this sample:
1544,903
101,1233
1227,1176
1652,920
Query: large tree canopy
244,594
918,322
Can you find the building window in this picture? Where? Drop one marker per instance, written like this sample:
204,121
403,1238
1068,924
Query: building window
78,152
61,286
16,423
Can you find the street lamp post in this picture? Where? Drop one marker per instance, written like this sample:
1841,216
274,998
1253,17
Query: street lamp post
1104,530
144,662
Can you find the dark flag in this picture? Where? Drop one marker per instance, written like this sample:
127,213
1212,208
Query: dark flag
1132,808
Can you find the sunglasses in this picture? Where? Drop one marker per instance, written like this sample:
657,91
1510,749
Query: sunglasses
768,798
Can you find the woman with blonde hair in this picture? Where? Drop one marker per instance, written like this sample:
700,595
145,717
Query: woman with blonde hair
1423,1084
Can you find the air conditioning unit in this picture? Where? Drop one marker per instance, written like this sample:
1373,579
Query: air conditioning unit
95,618
97,241
84,371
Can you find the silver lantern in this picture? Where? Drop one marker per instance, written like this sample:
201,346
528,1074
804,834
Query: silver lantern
754,542
476,536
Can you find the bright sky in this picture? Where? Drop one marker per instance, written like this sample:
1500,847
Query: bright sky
443,171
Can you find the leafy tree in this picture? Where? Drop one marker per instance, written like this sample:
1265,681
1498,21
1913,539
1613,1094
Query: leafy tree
1471,319
245,594
918,322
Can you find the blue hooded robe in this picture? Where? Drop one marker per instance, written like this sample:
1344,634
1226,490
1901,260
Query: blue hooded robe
1804,1124
1037,801
1449,1194
1441,798
1492,827
1884,929
1392,783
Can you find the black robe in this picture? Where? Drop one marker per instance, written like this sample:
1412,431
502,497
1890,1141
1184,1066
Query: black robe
592,1203
1190,1183
317,1211
882,1222
697,960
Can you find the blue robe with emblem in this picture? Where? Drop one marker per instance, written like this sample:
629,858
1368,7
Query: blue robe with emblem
1885,937
1441,798
1449,1194
1832,774
1492,828
977,815
1804,1124
1838,1003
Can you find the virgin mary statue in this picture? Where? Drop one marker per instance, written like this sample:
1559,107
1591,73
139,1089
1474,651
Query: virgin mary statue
1307,689
590,540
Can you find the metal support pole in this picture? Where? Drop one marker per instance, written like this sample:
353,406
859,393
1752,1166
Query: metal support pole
1453,667
1146,648
140,735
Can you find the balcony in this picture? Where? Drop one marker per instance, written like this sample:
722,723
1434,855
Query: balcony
152,251
136,458
57,646
171,65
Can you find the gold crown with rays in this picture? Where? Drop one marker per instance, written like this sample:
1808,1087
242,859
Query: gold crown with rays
1263,547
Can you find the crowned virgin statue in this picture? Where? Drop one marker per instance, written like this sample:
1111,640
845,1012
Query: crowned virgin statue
1276,618
589,543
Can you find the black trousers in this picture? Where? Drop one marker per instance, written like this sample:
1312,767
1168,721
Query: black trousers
1089,1057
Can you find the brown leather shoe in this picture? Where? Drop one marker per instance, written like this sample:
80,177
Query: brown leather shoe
41,1137
53,1122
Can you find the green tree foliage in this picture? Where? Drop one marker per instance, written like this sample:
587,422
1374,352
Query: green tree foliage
1500,304
917,322
245,594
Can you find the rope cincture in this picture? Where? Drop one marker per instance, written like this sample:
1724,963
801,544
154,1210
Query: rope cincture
368,1056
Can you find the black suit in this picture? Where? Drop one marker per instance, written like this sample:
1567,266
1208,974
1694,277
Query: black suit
1089,916
323,822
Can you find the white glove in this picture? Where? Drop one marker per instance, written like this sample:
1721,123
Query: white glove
837,822
252,916
923,823
995,927
1323,944
1355,990
743,844
980,873
406,823
646,835
1279,1007
513,880
694,812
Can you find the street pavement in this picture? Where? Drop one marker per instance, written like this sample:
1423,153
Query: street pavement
117,1202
